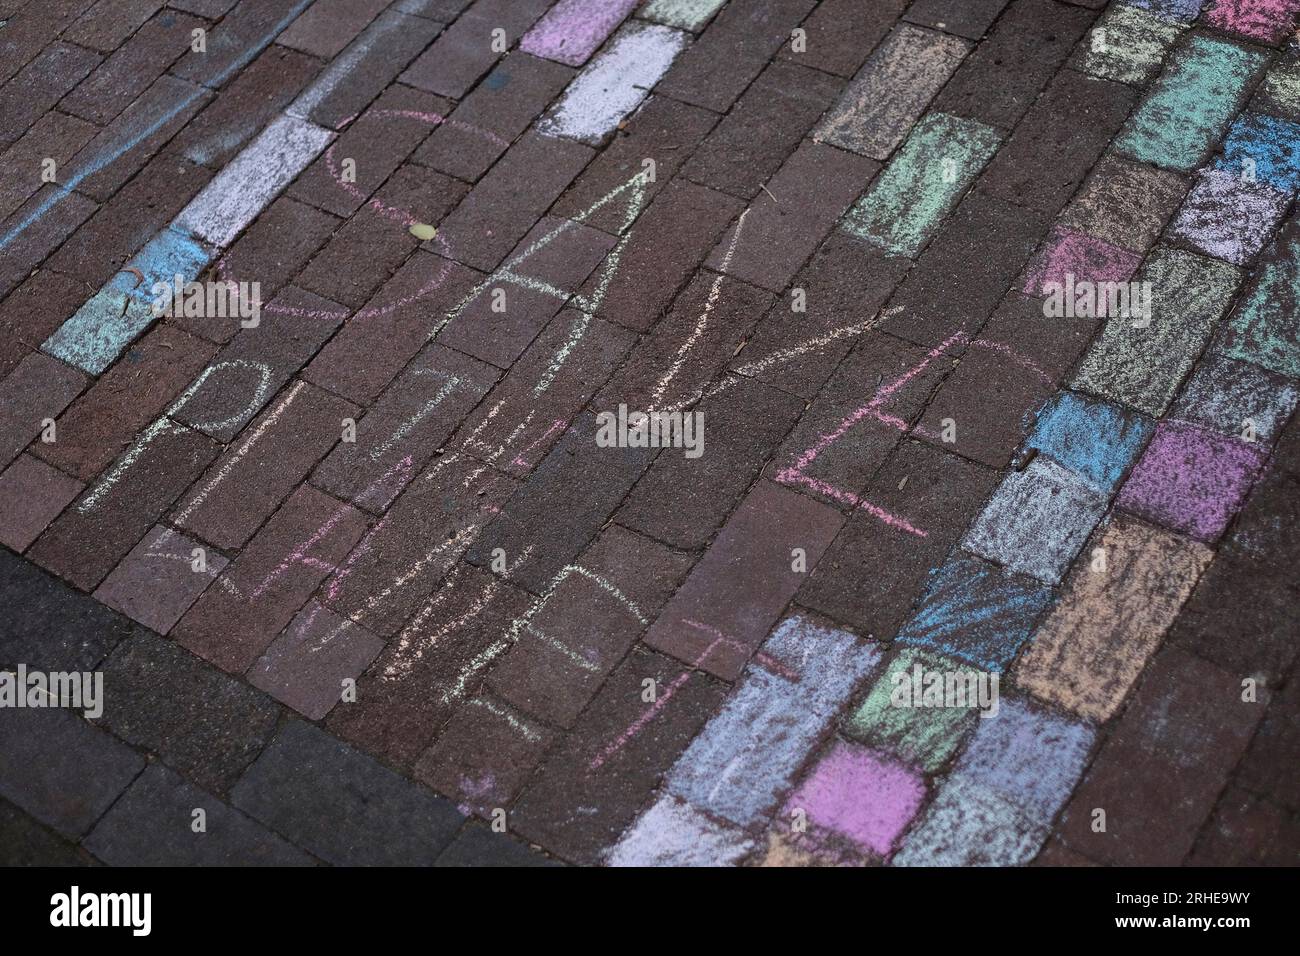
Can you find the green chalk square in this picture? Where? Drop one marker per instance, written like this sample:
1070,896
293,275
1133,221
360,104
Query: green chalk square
922,183
1129,44
923,737
1143,367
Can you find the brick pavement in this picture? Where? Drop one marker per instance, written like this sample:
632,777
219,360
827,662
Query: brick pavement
365,584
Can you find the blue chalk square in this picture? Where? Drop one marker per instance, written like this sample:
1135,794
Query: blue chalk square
1267,148
976,612
1029,755
1094,439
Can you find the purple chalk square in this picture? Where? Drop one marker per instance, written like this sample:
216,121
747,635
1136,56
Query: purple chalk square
1230,217
1191,479
1071,257
573,29
857,794
1174,9
1030,756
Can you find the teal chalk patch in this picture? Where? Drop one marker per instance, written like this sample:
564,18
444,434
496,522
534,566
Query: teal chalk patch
117,314
1191,105
922,183
1265,329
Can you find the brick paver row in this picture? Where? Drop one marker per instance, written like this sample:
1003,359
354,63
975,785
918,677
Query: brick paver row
359,573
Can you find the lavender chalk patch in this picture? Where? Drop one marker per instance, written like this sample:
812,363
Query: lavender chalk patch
614,83
746,756
1237,399
1029,756
1228,216
571,30
1037,520
1192,479
671,833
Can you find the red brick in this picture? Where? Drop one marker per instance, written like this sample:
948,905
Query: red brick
506,203
40,236
842,33
306,665
32,29
238,30
378,341
41,84
545,524
164,95
405,427
667,243
157,582
1164,766
255,473
241,614
663,130
251,369
325,28
31,496
54,136
377,142
592,613
812,190
743,425
516,425
30,313
129,71
464,53
104,422
844,285
359,258
139,210
744,581
1247,831
277,245
556,252
873,573
395,567
685,351
416,683
732,51
762,129
107,24
244,107
116,511
480,129
38,388
839,469
484,755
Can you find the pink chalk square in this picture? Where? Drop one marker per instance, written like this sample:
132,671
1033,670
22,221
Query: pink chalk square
1192,479
1072,257
1265,20
31,496
855,793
